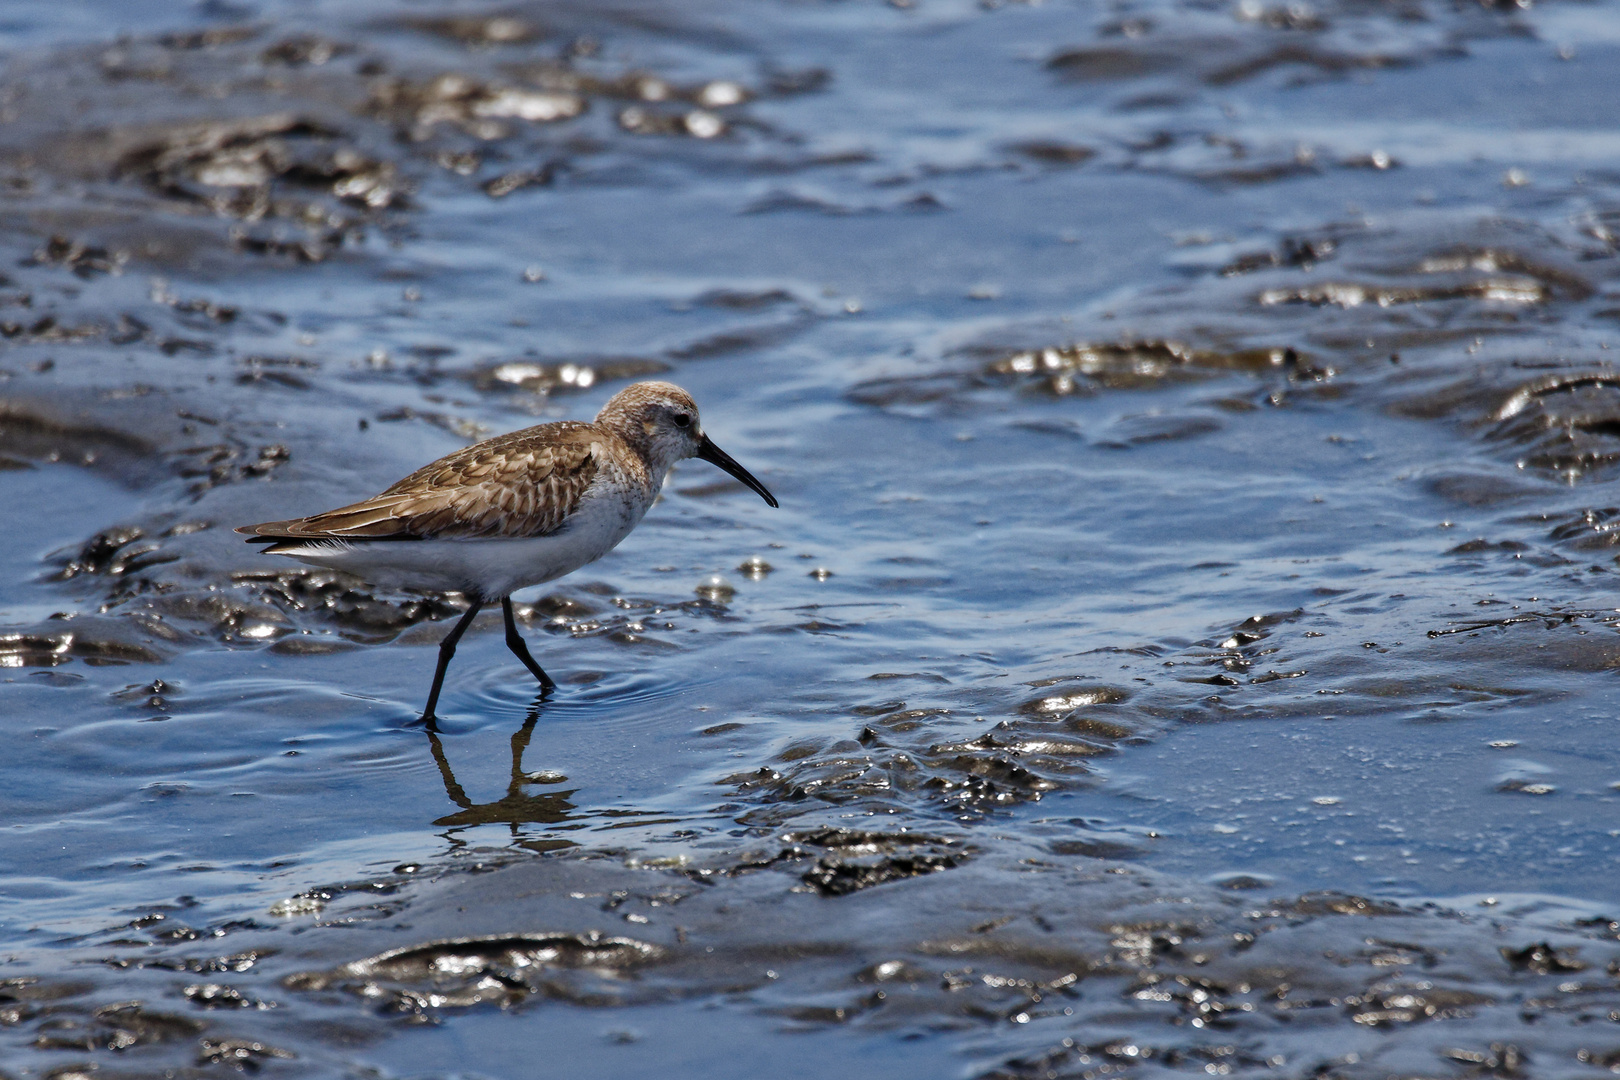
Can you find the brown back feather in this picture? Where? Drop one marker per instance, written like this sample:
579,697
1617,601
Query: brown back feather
522,484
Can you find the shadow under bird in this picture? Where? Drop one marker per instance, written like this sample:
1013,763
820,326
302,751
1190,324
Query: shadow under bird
517,510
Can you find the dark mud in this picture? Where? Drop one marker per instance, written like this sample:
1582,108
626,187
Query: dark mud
1132,980
1187,645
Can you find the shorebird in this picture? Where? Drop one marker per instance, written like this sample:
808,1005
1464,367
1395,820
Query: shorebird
513,511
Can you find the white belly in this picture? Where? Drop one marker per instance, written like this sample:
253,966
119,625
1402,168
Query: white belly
489,568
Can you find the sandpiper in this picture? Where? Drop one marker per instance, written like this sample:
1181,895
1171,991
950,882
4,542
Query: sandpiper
513,511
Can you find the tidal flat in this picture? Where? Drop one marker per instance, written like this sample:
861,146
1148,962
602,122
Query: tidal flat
1187,644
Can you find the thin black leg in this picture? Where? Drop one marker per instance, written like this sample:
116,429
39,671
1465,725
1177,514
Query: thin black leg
447,649
515,642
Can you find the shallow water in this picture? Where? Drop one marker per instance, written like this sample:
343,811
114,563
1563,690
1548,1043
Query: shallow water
1186,644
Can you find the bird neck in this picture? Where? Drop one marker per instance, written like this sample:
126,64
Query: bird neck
655,456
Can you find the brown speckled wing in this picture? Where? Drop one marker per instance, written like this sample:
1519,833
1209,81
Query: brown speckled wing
518,485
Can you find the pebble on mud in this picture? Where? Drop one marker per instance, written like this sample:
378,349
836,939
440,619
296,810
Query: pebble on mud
295,906
716,588
754,568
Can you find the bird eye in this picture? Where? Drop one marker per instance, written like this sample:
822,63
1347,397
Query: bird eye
683,419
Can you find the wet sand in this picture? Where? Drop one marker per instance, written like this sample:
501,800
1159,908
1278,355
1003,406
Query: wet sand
1186,645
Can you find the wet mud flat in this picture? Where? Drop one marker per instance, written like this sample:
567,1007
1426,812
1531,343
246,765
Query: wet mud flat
994,964
1187,645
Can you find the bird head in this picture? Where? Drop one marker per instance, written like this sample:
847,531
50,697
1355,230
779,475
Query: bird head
660,420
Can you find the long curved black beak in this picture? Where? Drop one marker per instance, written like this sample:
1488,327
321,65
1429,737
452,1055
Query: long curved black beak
716,456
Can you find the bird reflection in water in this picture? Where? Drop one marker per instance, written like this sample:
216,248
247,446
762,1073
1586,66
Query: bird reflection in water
518,807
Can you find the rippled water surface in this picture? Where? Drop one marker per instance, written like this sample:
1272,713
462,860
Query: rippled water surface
1186,645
